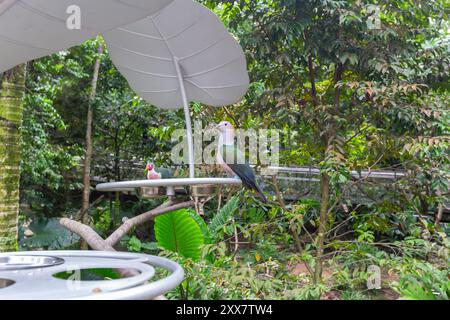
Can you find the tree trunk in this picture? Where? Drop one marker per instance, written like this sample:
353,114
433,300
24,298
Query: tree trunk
324,199
325,179
11,113
84,217
438,216
117,177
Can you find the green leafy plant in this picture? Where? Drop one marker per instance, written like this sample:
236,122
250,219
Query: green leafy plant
219,221
422,281
179,232
136,245
101,217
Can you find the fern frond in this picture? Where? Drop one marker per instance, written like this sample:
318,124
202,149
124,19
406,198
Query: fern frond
202,224
224,216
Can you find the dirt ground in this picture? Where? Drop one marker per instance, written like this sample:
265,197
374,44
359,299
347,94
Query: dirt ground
385,293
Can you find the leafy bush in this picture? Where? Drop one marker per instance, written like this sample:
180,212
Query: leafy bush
423,281
136,245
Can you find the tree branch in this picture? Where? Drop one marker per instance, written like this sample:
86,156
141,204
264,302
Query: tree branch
86,233
97,243
82,213
115,237
313,92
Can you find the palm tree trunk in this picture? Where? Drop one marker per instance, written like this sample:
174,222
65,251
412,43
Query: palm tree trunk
11,113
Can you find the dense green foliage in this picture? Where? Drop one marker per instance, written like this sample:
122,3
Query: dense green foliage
351,85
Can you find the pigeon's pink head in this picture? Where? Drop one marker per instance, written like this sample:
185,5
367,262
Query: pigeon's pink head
149,167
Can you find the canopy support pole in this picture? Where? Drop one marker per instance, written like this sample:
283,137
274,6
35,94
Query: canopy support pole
187,115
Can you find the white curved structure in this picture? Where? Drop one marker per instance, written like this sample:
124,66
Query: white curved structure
170,51
30,275
180,54
30,29
185,33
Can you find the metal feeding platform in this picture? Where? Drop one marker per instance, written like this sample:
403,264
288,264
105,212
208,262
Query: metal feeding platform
34,275
155,188
175,182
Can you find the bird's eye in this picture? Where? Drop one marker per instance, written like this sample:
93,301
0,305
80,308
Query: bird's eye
226,124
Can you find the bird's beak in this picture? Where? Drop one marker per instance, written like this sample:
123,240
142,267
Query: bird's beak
217,126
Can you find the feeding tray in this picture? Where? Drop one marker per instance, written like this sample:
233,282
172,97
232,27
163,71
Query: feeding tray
24,262
152,192
203,190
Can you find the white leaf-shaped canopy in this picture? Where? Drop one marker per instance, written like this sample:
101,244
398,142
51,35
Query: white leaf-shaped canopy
185,36
170,51
30,29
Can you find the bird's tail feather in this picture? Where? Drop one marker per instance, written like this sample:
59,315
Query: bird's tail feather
251,184
261,194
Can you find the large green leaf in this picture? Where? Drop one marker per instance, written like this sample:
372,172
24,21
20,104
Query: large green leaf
179,232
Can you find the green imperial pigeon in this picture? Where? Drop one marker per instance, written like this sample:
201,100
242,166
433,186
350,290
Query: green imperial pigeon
233,160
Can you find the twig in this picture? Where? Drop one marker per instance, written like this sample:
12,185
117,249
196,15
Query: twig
278,193
236,244
201,205
355,135
82,213
339,225
219,201
236,122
